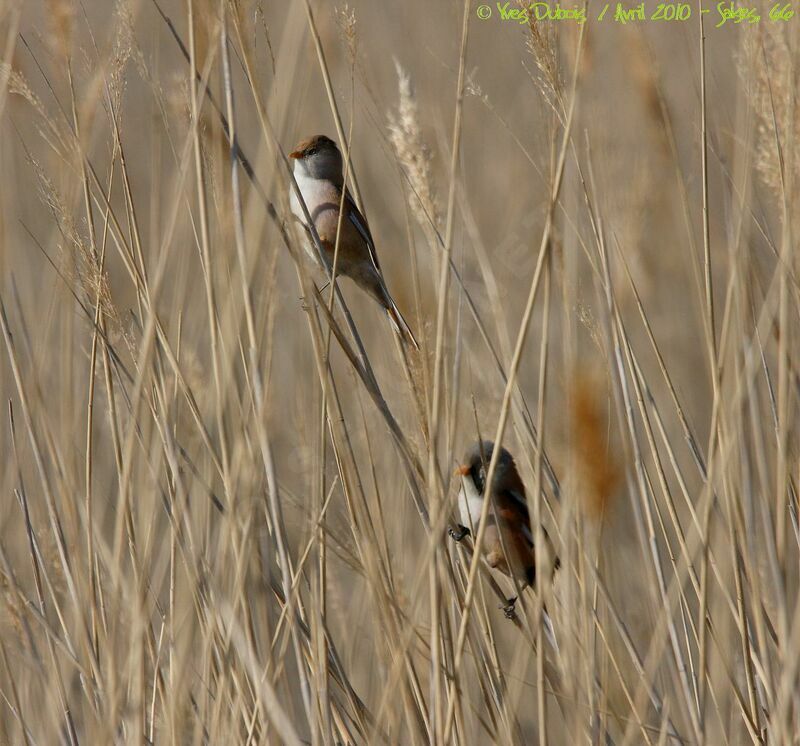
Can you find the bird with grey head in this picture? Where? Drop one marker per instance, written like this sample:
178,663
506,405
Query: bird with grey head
508,541
345,237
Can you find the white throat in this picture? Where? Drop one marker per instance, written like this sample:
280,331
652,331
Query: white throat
310,188
470,503
314,194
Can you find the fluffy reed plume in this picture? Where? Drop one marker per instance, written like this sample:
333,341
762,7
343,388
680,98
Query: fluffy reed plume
48,128
121,53
60,15
598,468
769,69
79,264
346,20
411,150
542,44
642,73
11,616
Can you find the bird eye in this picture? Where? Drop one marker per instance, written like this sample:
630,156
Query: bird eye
479,477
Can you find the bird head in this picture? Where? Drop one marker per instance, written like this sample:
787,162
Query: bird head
476,465
318,157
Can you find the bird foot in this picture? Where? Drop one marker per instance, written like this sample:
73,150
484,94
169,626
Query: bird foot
510,608
459,533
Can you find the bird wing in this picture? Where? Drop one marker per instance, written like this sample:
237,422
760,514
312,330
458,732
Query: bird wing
513,507
360,223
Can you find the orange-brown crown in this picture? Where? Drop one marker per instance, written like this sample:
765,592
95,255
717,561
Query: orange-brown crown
312,145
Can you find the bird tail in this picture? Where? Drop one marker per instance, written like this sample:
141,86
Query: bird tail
400,325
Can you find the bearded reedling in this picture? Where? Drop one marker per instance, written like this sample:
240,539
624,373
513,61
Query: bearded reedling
318,170
508,543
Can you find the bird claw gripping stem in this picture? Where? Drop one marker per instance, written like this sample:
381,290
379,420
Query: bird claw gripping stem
510,608
457,534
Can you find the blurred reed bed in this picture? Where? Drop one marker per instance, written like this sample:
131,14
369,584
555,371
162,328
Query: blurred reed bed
227,487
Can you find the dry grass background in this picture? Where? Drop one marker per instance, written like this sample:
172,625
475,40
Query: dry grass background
223,520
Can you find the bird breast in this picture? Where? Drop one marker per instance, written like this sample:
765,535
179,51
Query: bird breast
322,200
313,191
470,503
